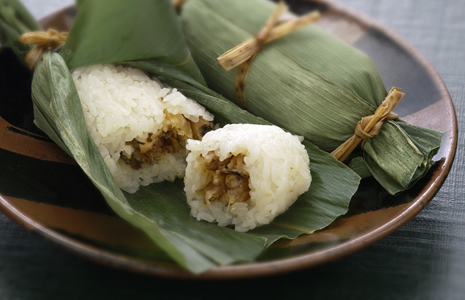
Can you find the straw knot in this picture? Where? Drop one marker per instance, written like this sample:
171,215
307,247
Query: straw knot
243,54
178,4
364,135
43,41
370,126
259,42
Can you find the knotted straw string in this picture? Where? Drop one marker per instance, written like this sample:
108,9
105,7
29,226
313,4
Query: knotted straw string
244,54
178,3
43,41
370,126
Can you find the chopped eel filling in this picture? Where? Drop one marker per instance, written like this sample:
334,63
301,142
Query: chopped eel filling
229,180
171,138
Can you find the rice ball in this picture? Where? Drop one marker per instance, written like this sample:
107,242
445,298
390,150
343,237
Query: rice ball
245,175
139,125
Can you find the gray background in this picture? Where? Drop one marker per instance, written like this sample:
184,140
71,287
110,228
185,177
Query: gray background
423,260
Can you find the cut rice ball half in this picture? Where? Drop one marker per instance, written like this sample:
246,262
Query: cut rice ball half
139,125
245,175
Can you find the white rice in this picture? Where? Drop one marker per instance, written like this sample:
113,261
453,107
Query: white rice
277,163
121,104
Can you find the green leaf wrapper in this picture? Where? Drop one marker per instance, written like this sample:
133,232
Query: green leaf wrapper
109,31
310,83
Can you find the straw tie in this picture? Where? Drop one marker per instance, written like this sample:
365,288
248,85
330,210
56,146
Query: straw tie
244,54
178,4
43,41
370,126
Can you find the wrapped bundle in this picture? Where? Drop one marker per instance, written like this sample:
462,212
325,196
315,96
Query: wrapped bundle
245,175
139,125
310,83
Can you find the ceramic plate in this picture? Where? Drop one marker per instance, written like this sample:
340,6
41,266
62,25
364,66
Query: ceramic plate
43,190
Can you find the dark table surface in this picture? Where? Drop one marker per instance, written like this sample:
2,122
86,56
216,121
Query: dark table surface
425,259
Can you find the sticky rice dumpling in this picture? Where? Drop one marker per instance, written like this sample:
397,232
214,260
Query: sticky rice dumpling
245,175
139,125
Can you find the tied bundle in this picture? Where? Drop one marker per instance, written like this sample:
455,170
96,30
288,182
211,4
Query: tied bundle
42,41
370,126
312,84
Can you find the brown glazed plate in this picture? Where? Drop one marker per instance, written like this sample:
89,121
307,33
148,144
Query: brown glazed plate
43,190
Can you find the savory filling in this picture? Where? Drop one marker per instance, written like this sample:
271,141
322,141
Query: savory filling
171,138
229,180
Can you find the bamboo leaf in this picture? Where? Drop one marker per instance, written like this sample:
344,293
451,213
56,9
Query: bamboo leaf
109,31
403,156
358,165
